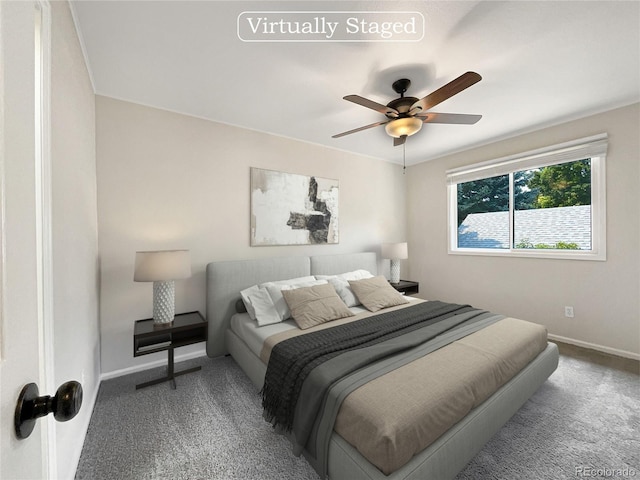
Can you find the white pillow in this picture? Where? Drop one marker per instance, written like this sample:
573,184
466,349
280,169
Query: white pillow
275,292
254,296
355,275
293,281
246,295
266,313
342,287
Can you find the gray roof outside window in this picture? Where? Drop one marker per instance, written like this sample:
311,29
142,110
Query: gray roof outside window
542,225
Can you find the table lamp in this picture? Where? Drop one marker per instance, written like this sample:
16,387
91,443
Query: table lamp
162,267
395,252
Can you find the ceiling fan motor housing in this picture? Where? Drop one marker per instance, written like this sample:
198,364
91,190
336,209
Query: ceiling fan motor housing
402,105
402,124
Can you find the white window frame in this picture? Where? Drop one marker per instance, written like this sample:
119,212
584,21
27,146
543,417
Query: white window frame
594,147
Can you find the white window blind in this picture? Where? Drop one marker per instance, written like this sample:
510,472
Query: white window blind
588,147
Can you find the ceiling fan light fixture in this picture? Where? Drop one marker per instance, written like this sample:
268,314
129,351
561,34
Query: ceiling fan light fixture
403,126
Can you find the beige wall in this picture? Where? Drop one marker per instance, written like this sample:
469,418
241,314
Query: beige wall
74,232
605,295
171,181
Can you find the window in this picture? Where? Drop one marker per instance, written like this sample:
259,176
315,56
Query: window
545,203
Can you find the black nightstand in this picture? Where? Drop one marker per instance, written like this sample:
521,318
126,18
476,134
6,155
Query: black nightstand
406,287
186,329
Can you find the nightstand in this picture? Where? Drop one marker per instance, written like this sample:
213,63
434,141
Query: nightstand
186,329
406,287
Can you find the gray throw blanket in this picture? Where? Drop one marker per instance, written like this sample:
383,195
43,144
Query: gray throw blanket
292,360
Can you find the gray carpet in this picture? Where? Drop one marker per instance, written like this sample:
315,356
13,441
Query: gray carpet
584,421
585,417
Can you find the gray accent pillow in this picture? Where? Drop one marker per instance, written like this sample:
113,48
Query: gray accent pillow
240,306
376,293
311,306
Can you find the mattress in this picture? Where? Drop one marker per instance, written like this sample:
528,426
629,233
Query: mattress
254,336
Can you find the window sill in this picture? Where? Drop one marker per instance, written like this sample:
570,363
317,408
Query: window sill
533,253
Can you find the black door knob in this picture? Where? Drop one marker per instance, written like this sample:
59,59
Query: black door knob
65,405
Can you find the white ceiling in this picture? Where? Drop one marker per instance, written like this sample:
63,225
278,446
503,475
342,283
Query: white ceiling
542,63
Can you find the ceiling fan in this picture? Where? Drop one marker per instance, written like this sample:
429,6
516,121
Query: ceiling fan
405,115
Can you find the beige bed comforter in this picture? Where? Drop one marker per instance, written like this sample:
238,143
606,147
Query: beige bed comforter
397,415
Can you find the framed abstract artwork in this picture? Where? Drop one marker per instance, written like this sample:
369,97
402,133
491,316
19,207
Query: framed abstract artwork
291,209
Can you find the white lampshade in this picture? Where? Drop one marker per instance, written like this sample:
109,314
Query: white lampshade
162,268
395,251
403,126
162,265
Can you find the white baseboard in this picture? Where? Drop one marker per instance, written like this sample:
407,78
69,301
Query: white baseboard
593,346
156,363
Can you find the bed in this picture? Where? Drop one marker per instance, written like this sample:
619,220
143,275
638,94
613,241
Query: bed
441,459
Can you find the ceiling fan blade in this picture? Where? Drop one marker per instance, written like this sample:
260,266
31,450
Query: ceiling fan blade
453,118
378,107
359,129
399,141
449,90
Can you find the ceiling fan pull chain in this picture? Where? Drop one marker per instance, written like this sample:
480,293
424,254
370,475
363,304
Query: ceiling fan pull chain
404,154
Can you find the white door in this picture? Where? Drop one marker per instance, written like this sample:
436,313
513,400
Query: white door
21,239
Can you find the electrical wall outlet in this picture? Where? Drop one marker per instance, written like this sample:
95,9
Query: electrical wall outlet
568,312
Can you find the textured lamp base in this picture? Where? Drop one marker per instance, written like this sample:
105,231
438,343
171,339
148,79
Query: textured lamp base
395,271
163,302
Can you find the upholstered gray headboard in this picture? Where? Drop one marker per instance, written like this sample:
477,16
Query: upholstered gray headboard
226,279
